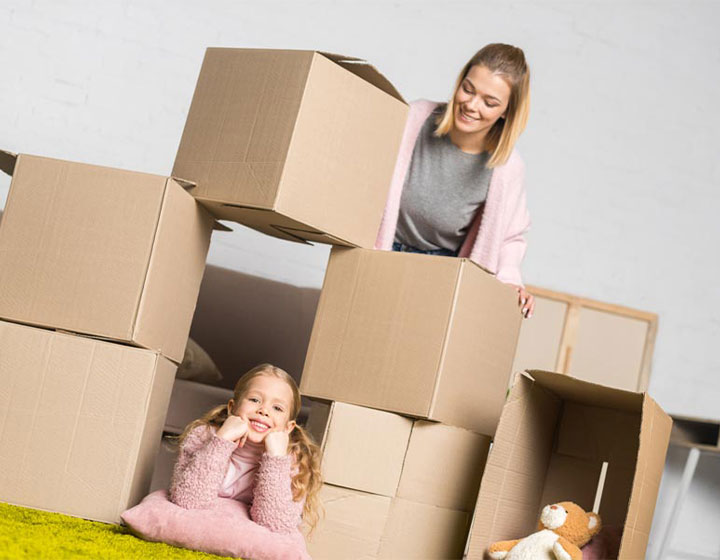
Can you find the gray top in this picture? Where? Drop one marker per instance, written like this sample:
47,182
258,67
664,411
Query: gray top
443,190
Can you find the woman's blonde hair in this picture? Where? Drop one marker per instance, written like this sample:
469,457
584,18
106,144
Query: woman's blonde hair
509,63
307,481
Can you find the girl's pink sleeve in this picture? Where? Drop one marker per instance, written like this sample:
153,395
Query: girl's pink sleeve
273,505
200,469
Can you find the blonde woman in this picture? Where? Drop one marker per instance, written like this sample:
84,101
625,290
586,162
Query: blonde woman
458,187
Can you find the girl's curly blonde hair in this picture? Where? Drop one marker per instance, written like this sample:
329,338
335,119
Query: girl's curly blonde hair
307,481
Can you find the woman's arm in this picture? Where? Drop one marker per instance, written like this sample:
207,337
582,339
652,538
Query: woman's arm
513,245
273,505
200,468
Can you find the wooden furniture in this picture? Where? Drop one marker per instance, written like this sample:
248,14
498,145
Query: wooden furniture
591,340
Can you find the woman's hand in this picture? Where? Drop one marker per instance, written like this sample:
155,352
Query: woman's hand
235,428
526,301
276,443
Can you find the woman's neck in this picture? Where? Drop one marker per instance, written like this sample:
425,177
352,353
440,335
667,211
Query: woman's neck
468,143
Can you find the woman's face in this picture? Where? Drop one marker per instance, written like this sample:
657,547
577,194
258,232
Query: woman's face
480,101
266,405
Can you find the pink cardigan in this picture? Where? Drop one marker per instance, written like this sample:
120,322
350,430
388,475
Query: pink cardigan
201,467
495,239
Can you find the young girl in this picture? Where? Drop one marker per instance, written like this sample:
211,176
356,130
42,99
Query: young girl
252,450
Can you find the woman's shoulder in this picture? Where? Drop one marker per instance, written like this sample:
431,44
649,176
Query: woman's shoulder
515,165
423,107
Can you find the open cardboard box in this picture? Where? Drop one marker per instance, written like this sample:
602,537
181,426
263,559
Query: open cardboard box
425,336
80,421
300,145
103,252
555,432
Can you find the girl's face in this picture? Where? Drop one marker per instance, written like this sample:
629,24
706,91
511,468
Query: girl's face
266,406
480,101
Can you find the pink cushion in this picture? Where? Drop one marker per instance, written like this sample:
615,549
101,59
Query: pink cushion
225,529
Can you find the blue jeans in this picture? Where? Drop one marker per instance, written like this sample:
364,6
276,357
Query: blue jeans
408,249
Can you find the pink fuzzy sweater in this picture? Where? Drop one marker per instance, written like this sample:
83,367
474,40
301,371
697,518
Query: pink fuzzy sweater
496,238
201,468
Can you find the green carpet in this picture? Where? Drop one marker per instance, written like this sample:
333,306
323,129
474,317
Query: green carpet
33,534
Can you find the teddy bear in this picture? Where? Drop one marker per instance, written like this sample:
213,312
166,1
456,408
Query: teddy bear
562,529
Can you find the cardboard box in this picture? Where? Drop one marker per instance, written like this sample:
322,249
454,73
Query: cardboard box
358,525
426,336
104,252
296,144
554,434
390,455
80,421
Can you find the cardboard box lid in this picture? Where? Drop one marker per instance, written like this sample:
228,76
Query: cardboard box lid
363,448
7,162
366,71
586,392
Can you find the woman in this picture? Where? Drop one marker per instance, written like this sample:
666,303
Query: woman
458,187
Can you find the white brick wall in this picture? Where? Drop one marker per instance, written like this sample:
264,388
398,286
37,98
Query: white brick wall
623,175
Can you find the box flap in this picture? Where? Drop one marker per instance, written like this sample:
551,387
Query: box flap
366,71
585,392
7,162
184,183
219,226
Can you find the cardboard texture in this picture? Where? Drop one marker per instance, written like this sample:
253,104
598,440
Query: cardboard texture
426,336
554,434
80,421
104,252
360,525
300,145
386,454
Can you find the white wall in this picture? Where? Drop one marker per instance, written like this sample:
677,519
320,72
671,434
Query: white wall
623,177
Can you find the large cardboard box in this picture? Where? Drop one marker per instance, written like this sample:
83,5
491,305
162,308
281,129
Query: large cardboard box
359,525
389,455
426,336
80,421
297,144
104,252
554,435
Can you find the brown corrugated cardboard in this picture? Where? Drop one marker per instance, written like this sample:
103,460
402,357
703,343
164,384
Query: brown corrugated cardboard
362,448
443,466
390,455
297,144
431,337
80,421
358,525
104,252
554,434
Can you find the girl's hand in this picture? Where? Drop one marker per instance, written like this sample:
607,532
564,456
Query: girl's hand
276,443
235,428
526,301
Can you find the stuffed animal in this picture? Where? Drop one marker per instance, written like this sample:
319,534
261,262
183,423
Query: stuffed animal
563,528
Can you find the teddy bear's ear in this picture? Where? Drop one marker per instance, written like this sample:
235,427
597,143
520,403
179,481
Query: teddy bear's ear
593,523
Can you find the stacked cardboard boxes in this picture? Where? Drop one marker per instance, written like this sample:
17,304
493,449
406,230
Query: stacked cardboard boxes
99,270
409,359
